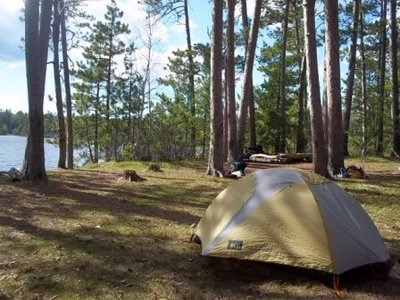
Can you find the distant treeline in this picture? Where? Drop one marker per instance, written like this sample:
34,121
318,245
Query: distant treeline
17,124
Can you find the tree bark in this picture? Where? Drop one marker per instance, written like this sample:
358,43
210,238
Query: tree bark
248,73
318,140
191,94
350,75
216,159
281,137
57,83
381,81
67,87
364,146
335,129
252,118
300,140
230,82
395,79
37,32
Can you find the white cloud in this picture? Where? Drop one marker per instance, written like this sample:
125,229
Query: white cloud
11,7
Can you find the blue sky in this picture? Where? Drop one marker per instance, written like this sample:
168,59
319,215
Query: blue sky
12,65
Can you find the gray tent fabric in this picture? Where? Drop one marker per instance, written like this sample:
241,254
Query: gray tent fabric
355,241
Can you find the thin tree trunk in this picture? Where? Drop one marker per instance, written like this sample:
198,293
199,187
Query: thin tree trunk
395,79
225,114
192,98
37,32
96,122
230,82
335,129
67,87
57,83
364,146
216,159
325,101
281,137
248,73
252,119
350,75
300,141
108,92
320,158
381,81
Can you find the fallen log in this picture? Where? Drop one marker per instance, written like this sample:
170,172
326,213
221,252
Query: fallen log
14,174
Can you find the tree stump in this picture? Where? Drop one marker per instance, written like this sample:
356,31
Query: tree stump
131,175
154,167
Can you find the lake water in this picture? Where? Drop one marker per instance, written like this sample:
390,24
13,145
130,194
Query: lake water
12,152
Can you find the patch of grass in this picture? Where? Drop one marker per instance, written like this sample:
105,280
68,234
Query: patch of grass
89,234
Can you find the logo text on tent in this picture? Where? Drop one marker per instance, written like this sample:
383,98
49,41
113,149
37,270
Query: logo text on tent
235,245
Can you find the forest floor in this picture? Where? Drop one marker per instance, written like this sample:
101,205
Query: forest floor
90,234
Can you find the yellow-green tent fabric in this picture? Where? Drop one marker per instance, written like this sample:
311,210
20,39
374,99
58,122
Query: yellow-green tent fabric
291,217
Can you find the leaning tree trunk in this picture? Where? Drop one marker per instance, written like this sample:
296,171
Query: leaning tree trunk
216,157
57,83
191,91
381,82
350,75
248,74
67,87
335,129
320,158
395,79
37,32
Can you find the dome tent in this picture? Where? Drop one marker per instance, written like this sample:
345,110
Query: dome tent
290,217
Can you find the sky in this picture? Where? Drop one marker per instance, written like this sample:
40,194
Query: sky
13,94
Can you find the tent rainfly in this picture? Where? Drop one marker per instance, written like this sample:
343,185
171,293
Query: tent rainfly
290,217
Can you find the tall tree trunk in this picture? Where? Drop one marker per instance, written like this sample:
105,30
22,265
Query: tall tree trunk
192,98
325,100
67,87
350,74
395,79
226,122
216,159
300,140
335,129
108,150
248,74
320,158
252,118
230,82
281,137
364,146
57,83
96,124
381,81
37,32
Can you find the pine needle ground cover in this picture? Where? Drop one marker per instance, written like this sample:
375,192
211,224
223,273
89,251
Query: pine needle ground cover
90,234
